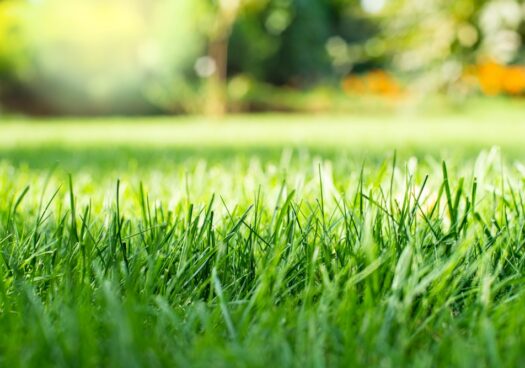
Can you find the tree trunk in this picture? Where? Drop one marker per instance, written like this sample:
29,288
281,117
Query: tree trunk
217,104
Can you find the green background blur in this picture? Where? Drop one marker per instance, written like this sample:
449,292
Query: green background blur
202,56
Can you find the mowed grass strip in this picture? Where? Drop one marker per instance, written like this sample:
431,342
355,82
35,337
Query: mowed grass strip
299,261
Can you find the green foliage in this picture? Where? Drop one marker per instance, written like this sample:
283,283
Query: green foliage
288,42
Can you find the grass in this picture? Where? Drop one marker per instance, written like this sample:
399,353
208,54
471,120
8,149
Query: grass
273,131
215,252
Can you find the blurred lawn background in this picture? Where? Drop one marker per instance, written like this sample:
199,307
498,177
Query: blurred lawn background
142,57
123,144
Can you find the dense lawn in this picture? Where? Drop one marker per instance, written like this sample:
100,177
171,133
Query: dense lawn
282,241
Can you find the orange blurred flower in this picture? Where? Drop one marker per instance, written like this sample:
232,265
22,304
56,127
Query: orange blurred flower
495,79
377,82
490,76
514,80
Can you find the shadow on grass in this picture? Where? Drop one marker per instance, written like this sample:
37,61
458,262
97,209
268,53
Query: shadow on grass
122,157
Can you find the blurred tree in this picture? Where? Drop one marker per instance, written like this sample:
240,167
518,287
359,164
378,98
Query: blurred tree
224,15
302,59
300,42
